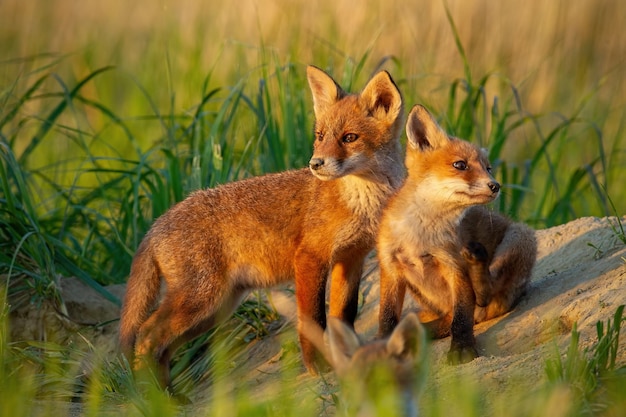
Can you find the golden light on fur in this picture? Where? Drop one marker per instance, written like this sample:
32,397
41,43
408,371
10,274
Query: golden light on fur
462,262
217,244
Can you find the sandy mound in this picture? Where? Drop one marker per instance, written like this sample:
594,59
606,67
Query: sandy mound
580,277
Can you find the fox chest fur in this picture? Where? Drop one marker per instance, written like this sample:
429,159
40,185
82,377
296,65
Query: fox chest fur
422,248
364,202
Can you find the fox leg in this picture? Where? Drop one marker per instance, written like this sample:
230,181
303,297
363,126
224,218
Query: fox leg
392,292
344,286
477,260
463,344
155,337
178,319
311,277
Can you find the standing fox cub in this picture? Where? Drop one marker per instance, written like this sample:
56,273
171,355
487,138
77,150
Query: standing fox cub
307,224
462,262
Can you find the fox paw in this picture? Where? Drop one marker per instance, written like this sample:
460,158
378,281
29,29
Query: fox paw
475,252
459,355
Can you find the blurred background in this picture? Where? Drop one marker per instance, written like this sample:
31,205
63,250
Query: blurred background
557,53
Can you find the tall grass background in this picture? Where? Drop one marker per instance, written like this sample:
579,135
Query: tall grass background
112,111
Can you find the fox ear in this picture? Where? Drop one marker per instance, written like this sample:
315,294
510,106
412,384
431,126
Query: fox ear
382,97
343,343
324,89
422,130
408,339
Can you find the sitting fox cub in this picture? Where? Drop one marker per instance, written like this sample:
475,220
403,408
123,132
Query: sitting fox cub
462,262
217,244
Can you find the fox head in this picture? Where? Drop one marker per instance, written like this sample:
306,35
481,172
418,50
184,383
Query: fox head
444,169
380,373
353,131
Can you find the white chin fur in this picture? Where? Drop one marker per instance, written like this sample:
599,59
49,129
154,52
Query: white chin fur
323,176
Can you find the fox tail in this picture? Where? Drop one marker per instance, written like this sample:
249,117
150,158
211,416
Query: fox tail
142,291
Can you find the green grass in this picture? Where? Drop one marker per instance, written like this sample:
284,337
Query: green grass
592,376
107,123
44,378
83,211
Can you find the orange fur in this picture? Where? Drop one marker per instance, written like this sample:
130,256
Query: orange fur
217,244
462,262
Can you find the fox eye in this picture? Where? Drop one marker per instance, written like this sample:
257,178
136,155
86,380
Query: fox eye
320,136
460,165
349,137
489,170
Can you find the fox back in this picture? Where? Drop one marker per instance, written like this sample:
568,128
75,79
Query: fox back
460,260
307,224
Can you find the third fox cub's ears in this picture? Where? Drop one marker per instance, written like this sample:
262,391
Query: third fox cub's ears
407,343
422,130
408,340
381,96
343,342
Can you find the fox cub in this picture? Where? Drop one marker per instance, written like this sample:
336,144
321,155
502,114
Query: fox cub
386,373
462,262
302,225
372,373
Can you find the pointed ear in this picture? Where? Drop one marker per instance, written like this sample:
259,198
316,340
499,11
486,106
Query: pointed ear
408,339
324,89
343,343
382,97
422,130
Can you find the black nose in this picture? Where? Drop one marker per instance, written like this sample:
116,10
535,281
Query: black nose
316,163
494,187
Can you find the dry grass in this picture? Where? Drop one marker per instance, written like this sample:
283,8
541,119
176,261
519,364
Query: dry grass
556,51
